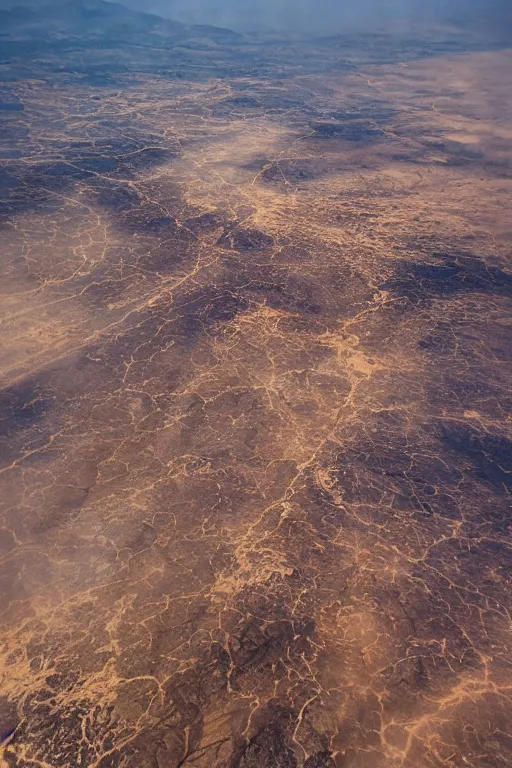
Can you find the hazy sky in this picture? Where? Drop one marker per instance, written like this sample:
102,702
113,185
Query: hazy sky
320,16
324,15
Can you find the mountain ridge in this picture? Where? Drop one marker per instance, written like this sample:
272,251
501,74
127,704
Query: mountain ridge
97,18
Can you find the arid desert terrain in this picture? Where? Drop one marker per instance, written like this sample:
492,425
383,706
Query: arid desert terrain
255,396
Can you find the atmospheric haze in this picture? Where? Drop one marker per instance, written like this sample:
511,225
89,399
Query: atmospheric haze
329,16
319,17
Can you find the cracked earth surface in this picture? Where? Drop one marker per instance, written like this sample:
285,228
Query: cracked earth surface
256,438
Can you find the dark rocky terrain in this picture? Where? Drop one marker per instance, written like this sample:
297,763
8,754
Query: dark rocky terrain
255,396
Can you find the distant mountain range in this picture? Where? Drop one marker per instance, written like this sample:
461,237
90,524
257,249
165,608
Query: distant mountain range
146,22
320,17
96,19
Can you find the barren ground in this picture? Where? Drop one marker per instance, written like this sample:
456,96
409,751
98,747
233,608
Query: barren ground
256,437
